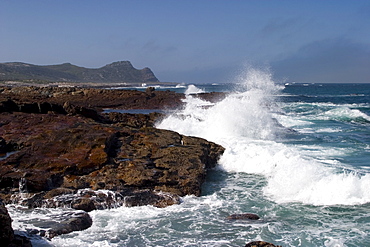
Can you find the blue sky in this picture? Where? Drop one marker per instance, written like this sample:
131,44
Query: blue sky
194,41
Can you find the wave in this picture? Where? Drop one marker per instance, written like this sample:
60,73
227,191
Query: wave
346,114
192,89
329,111
246,123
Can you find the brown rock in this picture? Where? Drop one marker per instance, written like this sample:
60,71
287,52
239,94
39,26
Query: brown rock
147,197
134,120
85,204
260,244
28,99
62,146
57,192
72,152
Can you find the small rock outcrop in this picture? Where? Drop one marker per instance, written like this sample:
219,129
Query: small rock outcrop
78,222
247,216
260,244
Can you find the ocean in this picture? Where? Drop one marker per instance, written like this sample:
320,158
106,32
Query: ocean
297,155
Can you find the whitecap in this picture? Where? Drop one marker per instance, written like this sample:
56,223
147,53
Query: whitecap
244,123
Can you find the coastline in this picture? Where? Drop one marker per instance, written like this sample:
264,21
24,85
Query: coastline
85,84
60,150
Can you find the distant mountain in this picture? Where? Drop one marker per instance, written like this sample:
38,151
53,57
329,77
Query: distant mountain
122,71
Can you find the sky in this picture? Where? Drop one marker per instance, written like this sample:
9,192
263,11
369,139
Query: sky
195,41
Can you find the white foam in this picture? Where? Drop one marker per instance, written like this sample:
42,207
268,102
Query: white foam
243,123
192,89
331,242
328,130
330,111
346,113
291,121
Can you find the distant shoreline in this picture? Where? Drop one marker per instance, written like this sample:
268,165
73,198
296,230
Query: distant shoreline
87,84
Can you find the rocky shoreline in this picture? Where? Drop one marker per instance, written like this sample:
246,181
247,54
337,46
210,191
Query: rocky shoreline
59,150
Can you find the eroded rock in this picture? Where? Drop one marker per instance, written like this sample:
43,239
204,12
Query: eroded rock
71,152
260,244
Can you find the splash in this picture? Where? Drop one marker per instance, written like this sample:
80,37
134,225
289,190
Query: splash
246,124
245,113
192,89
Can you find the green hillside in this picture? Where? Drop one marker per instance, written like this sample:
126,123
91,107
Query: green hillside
122,71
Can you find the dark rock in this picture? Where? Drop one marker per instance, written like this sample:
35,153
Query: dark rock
3,147
149,90
80,110
20,241
134,120
63,145
6,232
147,197
57,192
85,204
211,97
33,201
78,222
7,236
8,105
260,244
42,100
65,152
247,216
60,151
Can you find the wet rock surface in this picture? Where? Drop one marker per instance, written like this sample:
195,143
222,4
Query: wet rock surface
6,233
77,222
246,216
20,241
58,150
7,236
260,244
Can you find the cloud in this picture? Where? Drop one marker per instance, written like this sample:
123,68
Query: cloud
331,60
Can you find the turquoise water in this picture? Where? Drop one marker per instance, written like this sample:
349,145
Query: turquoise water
297,155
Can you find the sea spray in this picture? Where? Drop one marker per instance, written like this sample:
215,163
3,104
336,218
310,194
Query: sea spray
269,174
245,113
192,89
246,124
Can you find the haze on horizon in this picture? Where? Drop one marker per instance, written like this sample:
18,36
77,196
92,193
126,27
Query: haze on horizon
194,41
